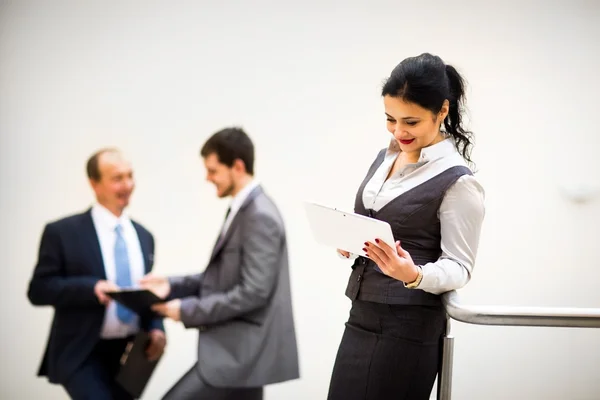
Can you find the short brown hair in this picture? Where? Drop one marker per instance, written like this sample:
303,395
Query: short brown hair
230,144
93,167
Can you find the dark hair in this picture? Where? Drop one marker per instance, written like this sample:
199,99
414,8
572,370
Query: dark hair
93,163
427,81
230,144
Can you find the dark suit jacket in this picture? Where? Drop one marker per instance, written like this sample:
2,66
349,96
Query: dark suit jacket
69,265
242,303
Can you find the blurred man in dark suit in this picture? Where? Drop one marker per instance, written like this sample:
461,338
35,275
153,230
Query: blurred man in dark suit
81,257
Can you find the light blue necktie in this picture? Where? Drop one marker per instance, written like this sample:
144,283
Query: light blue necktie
123,273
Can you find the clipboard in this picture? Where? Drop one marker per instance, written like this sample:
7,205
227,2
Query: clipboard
345,230
137,300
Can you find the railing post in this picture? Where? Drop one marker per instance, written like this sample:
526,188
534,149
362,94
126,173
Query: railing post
444,389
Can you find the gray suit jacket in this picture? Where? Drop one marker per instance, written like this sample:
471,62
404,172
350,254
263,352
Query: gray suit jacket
241,303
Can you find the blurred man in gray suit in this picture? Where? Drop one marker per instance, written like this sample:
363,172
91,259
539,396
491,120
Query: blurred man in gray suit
241,304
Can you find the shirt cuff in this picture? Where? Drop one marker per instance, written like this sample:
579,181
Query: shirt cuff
431,279
442,276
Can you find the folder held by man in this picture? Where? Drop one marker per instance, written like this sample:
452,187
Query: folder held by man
136,299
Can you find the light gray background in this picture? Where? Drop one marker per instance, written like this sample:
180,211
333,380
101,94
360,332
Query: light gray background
156,78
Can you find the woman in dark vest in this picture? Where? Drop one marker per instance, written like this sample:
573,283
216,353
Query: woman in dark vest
422,186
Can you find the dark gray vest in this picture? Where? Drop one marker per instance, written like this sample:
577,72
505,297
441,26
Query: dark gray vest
414,219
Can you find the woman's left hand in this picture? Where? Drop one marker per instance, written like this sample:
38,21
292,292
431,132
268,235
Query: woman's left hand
393,261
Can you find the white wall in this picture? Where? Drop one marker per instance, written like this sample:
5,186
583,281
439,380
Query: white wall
157,78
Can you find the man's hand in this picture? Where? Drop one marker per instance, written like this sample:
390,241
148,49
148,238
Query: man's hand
170,309
159,285
158,341
101,288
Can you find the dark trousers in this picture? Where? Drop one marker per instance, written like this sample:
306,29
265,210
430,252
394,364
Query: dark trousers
95,378
388,352
192,387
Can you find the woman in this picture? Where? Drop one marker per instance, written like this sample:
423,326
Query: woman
422,186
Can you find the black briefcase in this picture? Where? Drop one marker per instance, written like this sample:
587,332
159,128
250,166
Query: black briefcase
136,370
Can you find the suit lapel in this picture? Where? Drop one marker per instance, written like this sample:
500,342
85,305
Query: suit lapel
235,222
90,238
145,245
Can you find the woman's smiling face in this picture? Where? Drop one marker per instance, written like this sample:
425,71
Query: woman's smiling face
413,126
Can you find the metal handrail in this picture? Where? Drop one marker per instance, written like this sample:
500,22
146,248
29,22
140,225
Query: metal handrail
520,316
504,316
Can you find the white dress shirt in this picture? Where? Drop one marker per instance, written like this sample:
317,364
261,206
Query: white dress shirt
237,202
105,223
461,212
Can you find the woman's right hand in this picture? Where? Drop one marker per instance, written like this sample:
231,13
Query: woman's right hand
343,253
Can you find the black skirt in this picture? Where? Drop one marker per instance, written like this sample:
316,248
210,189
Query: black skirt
388,352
